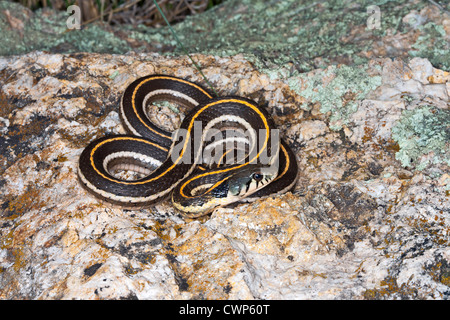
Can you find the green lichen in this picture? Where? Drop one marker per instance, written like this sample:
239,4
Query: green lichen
44,31
421,131
433,45
94,38
271,34
338,96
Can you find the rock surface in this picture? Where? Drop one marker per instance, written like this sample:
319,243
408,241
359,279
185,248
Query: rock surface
303,35
369,218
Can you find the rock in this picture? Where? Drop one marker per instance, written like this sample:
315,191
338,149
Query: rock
308,129
253,28
360,224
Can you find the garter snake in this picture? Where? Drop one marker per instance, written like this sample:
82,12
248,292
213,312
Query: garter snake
268,166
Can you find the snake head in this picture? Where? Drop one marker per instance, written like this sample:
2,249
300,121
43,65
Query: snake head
246,181
231,188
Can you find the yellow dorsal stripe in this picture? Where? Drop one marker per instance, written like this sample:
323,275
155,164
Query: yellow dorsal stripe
191,124
240,166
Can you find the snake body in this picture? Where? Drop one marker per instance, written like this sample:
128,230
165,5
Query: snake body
196,185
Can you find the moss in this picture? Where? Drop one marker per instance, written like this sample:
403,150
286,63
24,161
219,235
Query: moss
421,131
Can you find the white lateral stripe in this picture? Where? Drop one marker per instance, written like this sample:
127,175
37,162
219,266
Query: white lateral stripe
129,154
169,92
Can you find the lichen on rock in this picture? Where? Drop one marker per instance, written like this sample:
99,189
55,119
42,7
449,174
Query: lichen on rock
368,219
358,225
421,131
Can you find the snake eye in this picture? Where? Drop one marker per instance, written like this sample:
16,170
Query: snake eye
257,176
